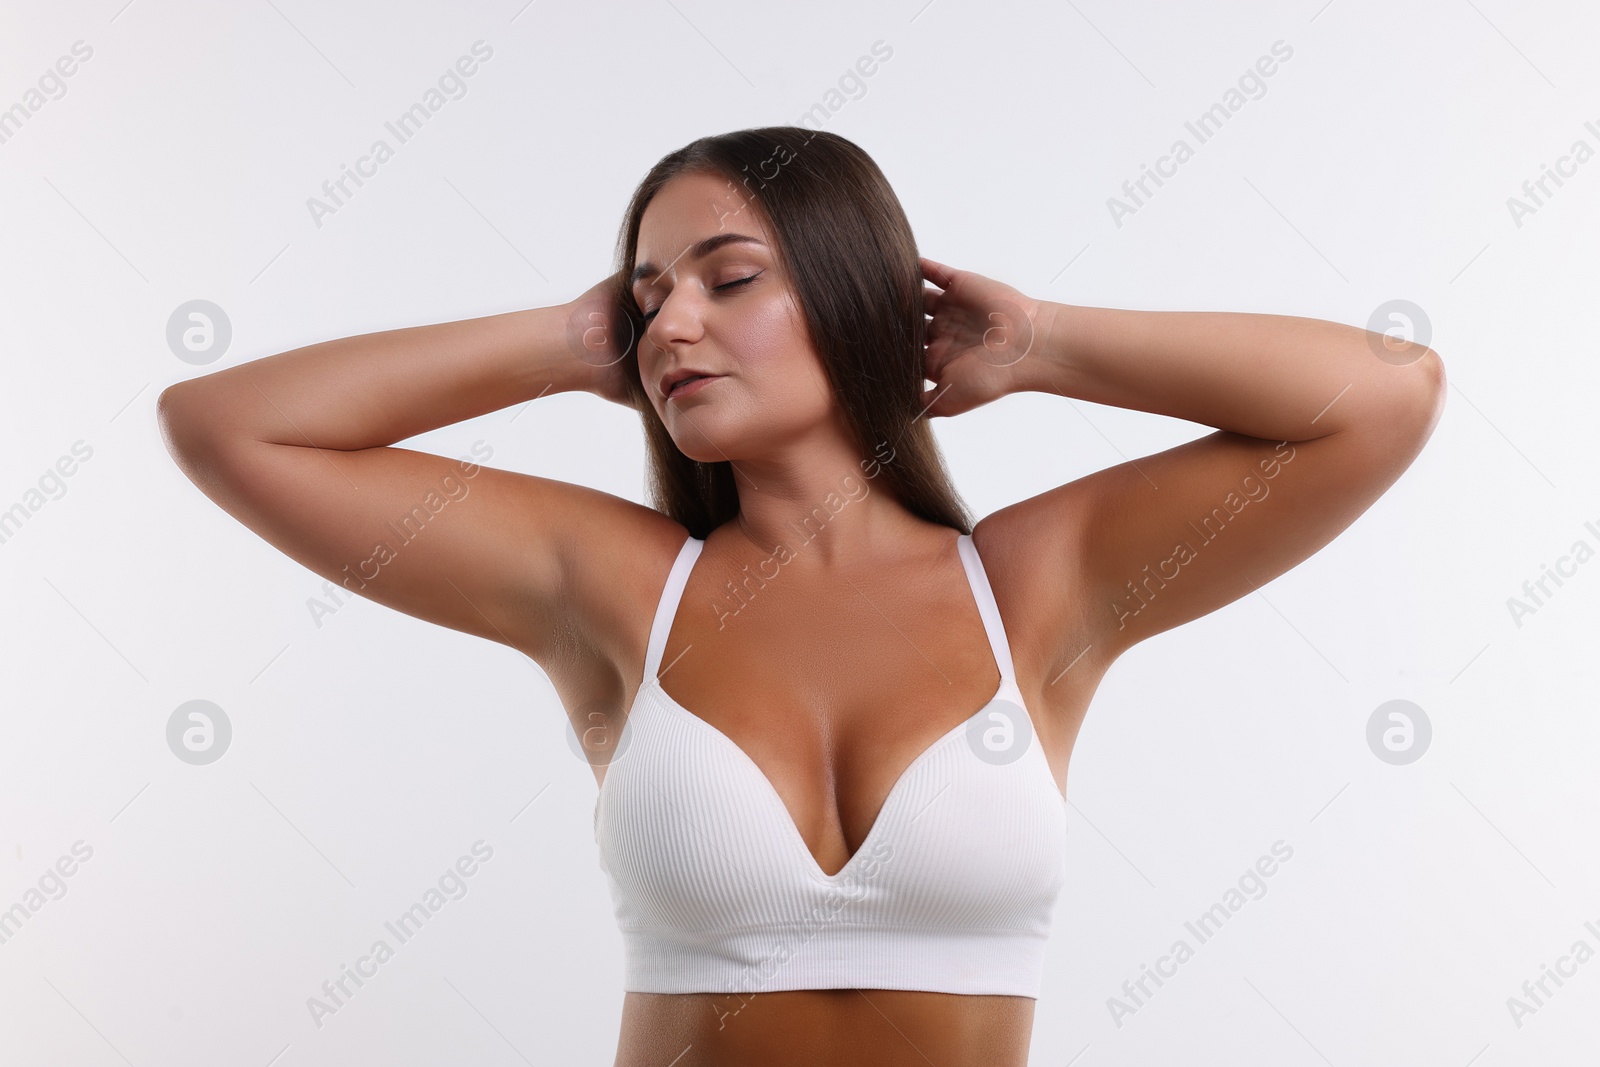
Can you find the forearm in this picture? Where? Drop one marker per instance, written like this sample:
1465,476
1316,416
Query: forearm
1276,377
378,388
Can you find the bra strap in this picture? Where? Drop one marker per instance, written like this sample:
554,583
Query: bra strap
983,593
667,605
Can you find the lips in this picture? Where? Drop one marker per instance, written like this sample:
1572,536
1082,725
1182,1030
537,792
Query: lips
690,386
679,377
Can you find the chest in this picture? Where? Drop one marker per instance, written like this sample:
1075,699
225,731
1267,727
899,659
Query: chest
829,694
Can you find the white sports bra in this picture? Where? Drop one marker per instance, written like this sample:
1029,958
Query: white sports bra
715,890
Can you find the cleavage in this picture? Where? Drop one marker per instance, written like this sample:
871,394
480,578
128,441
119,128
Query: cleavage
831,722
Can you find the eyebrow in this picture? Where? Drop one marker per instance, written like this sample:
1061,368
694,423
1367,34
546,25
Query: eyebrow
698,250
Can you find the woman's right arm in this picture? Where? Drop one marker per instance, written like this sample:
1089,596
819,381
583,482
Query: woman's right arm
298,447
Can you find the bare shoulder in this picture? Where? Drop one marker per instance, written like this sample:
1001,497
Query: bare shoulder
615,565
1033,551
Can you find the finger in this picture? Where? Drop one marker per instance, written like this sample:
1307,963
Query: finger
931,299
935,272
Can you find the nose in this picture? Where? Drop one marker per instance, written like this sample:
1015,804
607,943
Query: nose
676,321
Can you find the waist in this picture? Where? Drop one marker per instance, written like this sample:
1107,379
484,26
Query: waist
835,1026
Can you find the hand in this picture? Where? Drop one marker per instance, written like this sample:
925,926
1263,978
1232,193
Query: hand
598,334
981,331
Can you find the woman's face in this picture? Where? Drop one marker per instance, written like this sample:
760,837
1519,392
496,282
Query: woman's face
729,312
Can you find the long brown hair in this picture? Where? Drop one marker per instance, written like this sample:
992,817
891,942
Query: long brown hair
844,239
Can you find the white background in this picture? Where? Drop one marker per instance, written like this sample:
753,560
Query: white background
371,750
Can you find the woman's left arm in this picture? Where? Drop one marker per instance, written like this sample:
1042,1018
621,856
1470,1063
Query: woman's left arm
1314,421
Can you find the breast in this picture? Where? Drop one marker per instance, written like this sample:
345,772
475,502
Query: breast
708,873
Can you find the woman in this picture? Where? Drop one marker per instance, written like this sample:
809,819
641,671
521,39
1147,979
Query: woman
833,858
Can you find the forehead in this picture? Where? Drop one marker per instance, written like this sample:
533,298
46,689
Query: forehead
689,209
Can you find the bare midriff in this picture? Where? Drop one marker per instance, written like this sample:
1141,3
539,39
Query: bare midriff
837,1027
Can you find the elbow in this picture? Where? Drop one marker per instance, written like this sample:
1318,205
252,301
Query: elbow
1434,385
1407,393
169,408
177,417
167,403
1425,402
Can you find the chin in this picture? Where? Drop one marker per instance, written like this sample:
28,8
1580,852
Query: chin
692,442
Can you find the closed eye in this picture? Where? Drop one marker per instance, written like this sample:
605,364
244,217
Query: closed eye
730,285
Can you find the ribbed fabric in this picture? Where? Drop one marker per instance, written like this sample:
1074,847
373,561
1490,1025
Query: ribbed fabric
715,891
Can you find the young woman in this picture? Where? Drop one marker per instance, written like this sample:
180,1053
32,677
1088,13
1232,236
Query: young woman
833,829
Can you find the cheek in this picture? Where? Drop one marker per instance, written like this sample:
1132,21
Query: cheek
771,345
765,335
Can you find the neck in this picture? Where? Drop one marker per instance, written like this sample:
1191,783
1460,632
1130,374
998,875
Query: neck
832,514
